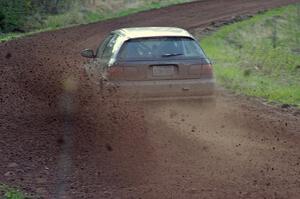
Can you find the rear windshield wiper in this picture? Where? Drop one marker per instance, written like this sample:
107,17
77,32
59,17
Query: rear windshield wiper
172,54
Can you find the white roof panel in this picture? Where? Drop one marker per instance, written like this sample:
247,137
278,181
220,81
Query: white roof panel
141,32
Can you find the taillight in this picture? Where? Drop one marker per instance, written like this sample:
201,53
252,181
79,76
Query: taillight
207,70
114,72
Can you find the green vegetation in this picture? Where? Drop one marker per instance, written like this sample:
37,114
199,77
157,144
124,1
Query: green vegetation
260,56
24,17
10,193
83,15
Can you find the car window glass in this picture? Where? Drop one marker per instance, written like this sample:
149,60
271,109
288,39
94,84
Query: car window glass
103,45
192,49
160,48
170,46
109,48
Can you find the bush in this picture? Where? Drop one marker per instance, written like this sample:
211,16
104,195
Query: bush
13,15
17,15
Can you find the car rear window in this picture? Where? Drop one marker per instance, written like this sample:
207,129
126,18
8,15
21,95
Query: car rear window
160,48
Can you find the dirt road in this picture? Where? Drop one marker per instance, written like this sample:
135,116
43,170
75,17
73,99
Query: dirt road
58,137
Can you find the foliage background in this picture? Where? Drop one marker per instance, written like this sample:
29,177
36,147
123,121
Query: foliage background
31,15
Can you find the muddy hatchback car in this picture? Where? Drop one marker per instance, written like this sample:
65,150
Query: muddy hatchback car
151,63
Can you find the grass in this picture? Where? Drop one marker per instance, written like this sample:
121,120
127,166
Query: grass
12,36
260,56
78,15
11,193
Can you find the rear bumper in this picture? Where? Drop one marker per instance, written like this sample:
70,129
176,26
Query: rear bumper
187,88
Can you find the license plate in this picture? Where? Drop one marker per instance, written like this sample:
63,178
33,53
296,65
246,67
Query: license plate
163,70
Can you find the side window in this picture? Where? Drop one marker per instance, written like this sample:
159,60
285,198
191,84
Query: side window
103,45
105,51
109,48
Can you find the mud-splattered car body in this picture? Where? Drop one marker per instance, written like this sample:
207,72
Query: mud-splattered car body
152,62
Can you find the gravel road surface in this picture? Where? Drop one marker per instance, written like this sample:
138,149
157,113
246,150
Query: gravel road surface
60,138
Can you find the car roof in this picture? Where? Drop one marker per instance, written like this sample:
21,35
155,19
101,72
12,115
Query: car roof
142,32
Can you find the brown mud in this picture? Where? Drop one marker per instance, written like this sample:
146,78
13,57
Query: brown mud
60,137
